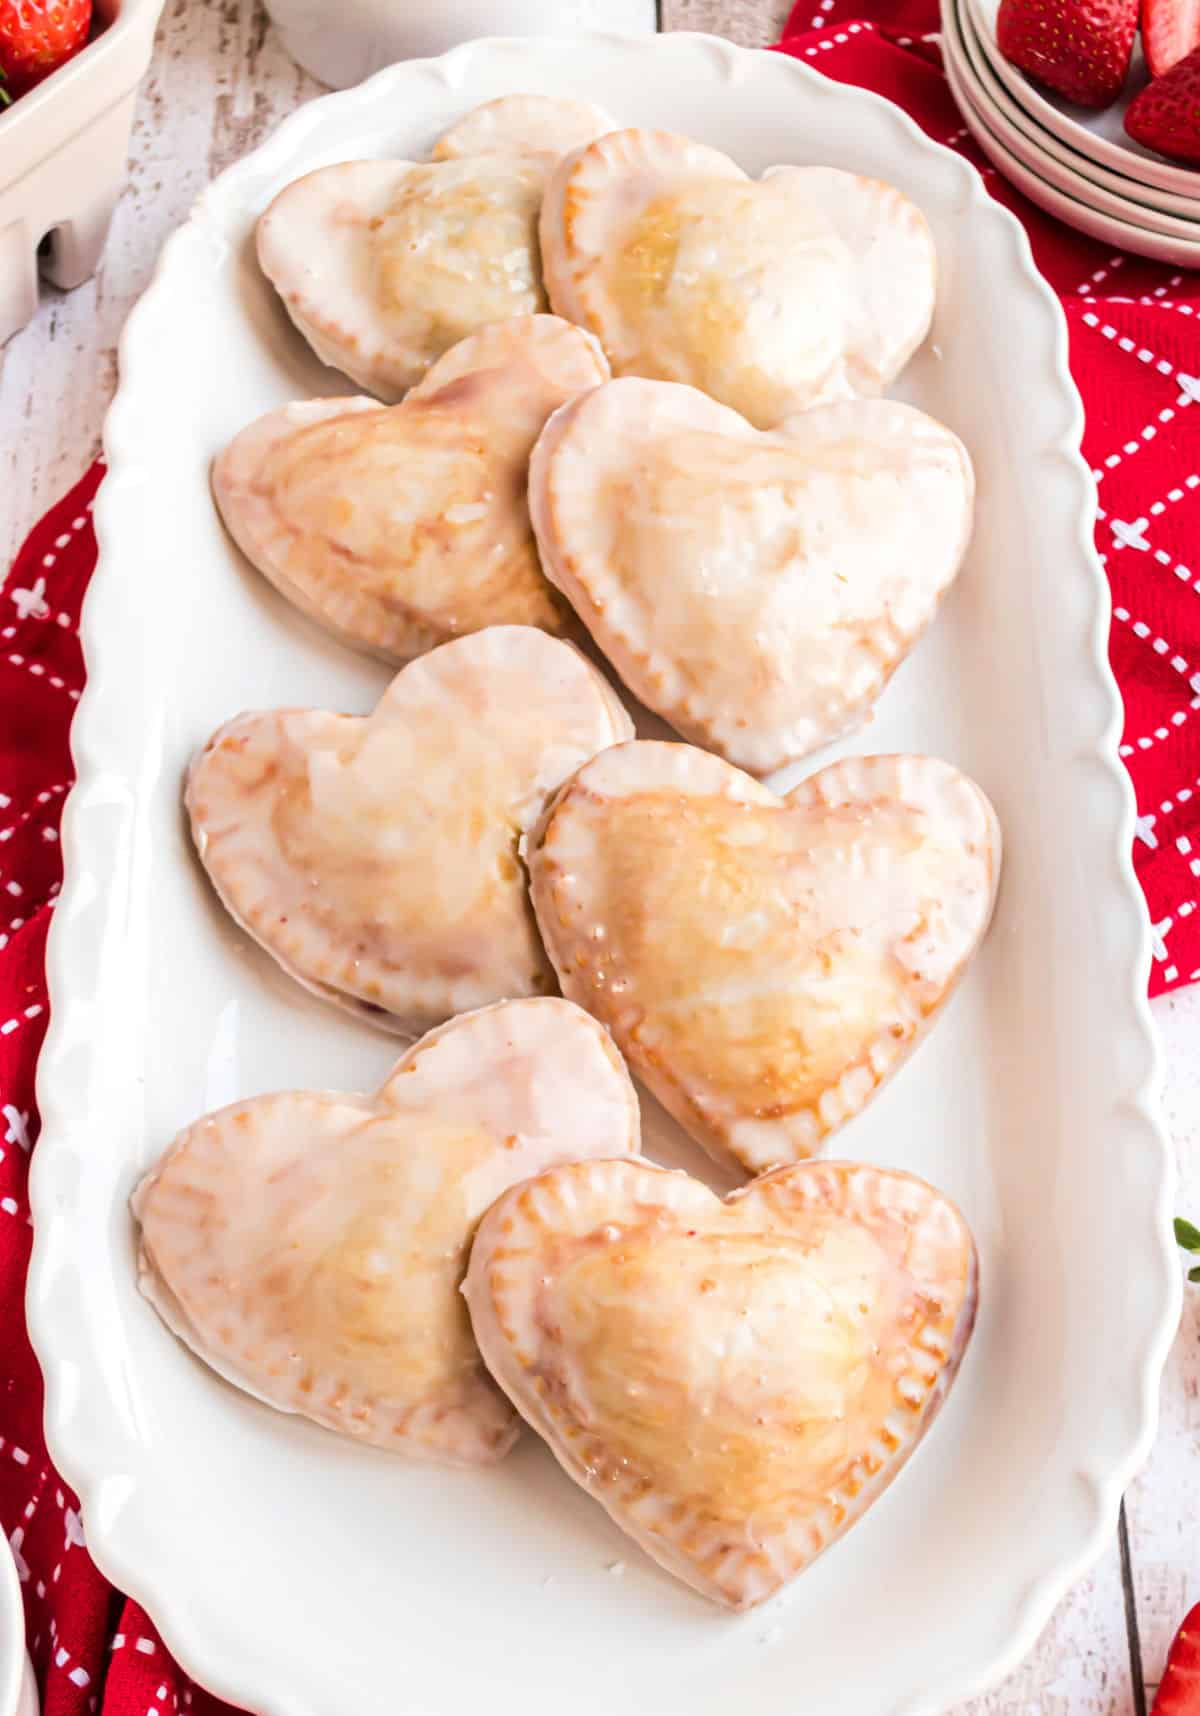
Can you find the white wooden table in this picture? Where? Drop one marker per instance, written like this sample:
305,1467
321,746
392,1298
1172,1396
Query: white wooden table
218,85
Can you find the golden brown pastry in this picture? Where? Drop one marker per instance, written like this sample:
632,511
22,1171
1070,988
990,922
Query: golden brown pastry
771,295
543,126
763,963
384,265
309,1245
734,1382
758,590
377,858
400,527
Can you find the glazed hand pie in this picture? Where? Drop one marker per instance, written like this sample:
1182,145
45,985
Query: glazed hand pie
309,1246
384,265
770,295
401,527
757,589
734,1382
376,858
543,126
763,963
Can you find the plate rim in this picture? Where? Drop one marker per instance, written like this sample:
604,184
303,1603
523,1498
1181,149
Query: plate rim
78,922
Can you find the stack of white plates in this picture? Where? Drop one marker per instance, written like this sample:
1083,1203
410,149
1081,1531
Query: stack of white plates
1075,163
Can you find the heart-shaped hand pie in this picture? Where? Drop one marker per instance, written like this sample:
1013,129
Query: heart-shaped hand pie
757,589
771,295
384,265
735,1382
544,126
309,1246
399,527
763,963
376,858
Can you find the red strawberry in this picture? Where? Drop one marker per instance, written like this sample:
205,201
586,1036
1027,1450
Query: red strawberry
1166,114
36,36
1170,30
1179,1690
1081,48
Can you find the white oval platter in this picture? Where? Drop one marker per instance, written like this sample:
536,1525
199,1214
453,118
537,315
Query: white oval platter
299,1576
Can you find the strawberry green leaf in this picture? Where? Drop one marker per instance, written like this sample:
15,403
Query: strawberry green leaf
1194,1274
1186,1235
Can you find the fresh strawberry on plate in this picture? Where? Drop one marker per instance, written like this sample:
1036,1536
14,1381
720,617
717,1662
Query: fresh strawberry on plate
1170,30
38,36
1080,48
1166,114
1179,1689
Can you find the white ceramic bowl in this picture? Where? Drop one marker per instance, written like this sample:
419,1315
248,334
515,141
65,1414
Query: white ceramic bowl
1006,116
63,150
1075,204
343,43
18,1694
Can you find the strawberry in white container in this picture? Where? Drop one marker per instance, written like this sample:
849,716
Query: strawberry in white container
64,138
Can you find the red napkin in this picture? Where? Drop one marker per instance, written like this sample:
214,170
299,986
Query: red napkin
1133,352
91,1648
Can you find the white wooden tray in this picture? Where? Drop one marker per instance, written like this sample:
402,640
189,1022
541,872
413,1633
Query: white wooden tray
297,1575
